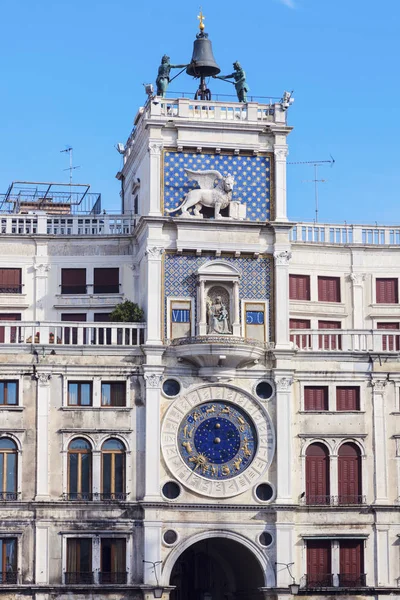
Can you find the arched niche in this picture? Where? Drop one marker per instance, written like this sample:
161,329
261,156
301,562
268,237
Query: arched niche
218,299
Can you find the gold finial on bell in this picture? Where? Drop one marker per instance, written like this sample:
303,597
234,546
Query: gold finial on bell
201,18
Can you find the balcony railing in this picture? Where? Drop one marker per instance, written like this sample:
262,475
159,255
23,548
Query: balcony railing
96,497
12,224
316,581
345,340
341,500
15,288
71,334
367,235
350,580
9,496
76,578
112,578
8,577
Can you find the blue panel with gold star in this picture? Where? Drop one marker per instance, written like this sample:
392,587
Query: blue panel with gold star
217,440
252,179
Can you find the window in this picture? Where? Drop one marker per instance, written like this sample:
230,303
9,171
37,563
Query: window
103,333
319,564
351,563
390,341
113,393
8,469
302,341
79,470
113,470
8,560
106,281
316,398
79,561
349,474
299,287
329,289
348,398
10,281
73,281
70,334
330,341
317,475
387,290
113,561
9,335
8,393
79,393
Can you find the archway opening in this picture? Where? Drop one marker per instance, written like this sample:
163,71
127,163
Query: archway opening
217,569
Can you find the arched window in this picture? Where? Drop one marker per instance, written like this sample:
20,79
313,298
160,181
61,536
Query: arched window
317,474
113,470
349,474
79,470
8,469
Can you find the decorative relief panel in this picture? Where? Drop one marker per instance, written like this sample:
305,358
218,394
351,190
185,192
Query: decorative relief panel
252,175
217,441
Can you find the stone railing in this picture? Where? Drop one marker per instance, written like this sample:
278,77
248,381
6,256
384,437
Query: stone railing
371,235
11,224
345,340
22,333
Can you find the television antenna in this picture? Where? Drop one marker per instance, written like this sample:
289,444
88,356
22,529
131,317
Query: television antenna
71,164
316,164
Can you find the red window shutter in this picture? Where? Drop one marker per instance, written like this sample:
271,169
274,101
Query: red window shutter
329,289
299,287
389,342
330,342
387,290
316,398
10,281
319,563
73,317
351,562
299,324
106,281
101,317
348,398
349,474
73,281
302,341
9,317
317,474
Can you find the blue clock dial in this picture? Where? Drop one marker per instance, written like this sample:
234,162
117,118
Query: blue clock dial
217,440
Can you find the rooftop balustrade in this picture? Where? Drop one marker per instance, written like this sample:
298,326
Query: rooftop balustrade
344,234
345,340
35,224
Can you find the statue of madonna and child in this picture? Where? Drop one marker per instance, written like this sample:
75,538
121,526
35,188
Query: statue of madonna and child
218,317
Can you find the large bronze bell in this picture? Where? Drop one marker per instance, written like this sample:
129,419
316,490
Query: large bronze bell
203,62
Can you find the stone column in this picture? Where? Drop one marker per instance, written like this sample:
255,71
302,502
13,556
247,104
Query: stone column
379,438
284,555
383,545
42,437
334,475
357,280
152,377
96,472
154,300
281,152
236,309
41,554
284,462
202,327
282,258
155,149
41,271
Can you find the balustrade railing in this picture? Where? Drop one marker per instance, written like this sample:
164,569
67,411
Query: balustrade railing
77,578
9,496
340,500
351,580
345,340
113,578
9,577
72,334
66,225
331,233
316,581
96,496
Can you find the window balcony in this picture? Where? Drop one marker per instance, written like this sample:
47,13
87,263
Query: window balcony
341,500
95,497
317,581
351,580
9,496
9,577
345,340
320,581
76,578
109,578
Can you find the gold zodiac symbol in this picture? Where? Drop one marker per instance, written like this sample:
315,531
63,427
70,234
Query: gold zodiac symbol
211,409
237,463
245,447
226,410
199,460
188,447
226,471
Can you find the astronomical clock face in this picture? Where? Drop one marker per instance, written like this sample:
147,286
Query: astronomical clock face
217,441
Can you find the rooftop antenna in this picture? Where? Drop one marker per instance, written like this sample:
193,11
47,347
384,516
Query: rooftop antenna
316,164
71,167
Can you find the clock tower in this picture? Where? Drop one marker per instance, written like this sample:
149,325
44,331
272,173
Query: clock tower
206,181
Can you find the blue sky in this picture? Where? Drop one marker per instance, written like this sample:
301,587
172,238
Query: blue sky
72,74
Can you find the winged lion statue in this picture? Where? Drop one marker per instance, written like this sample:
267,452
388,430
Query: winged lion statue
210,194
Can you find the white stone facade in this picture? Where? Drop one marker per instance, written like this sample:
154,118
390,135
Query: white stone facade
166,264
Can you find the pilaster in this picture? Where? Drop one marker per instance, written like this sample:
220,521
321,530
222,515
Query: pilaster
283,383
42,445
41,271
281,152
155,149
284,555
282,258
152,377
154,284
379,437
42,554
357,279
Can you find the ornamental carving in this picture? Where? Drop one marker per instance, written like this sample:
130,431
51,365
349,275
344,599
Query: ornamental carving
378,385
155,252
284,384
357,278
153,380
43,378
155,149
283,257
281,152
42,269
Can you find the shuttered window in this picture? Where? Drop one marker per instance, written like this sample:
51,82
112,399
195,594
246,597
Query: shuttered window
317,474
351,563
316,398
319,563
13,330
387,291
73,281
106,281
327,341
10,281
390,342
302,341
349,474
299,287
348,398
329,289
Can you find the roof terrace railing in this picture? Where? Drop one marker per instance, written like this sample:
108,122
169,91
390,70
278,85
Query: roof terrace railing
66,225
367,235
345,340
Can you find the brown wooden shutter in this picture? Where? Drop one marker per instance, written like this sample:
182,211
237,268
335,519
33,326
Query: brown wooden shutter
348,398
351,563
10,281
13,333
303,341
316,398
319,563
106,281
389,342
349,474
299,287
73,281
329,289
387,290
330,342
317,474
